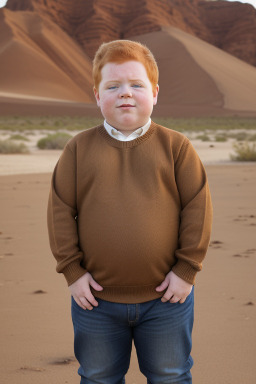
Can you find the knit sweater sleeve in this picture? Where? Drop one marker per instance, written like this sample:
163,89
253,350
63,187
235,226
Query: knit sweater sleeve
61,218
196,213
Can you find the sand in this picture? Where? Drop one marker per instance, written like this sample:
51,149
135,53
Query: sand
42,161
36,331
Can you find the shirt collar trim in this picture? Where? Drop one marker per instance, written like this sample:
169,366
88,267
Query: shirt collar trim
113,132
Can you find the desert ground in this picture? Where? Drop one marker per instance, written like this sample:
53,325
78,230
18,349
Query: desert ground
36,327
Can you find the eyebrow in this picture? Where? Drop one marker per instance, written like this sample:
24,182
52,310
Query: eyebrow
131,80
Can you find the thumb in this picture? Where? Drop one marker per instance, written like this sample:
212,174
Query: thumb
95,285
163,285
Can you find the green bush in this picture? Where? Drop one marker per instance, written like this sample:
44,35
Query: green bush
203,137
239,136
54,141
220,138
8,147
18,137
252,138
244,151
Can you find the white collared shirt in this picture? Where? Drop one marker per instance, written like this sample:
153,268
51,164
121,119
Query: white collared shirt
120,136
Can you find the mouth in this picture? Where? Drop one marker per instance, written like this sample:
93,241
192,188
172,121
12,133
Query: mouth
126,106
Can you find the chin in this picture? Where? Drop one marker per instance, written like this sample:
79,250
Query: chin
130,124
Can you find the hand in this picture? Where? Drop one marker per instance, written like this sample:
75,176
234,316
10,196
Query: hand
177,289
81,292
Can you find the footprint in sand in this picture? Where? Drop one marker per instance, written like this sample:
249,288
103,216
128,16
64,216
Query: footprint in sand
39,292
215,244
247,253
31,369
245,218
64,361
250,251
249,303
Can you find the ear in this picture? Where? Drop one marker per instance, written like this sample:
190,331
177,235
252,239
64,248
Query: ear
97,96
155,94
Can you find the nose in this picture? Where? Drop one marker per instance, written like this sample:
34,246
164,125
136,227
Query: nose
125,91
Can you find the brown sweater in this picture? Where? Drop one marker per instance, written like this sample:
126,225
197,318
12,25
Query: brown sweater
129,212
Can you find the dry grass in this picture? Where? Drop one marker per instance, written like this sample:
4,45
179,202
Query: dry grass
55,141
77,123
18,137
244,151
10,147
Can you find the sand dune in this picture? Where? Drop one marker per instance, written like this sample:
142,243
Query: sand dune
39,106
228,25
195,73
235,79
38,59
41,65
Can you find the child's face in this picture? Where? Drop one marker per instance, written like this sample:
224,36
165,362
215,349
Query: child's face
125,95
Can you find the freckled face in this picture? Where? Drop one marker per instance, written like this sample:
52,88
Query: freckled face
125,95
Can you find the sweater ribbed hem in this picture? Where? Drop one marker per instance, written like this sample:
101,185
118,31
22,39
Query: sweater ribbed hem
129,295
126,144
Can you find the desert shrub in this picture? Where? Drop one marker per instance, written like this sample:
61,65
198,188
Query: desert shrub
244,151
220,138
203,137
252,137
49,123
54,141
8,147
239,136
77,123
18,137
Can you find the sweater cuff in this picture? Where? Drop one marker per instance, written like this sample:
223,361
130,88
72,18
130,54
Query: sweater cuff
73,272
185,271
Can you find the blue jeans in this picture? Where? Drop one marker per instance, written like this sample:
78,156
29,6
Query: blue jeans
161,334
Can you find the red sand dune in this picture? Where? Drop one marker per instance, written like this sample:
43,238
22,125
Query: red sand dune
38,58
228,25
195,74
42,54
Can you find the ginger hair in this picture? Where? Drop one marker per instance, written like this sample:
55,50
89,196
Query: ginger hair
120,51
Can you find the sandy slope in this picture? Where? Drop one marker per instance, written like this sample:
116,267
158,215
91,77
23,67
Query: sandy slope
36,329
39,59
235,79
196,74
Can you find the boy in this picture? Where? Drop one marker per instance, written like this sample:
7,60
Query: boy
129,220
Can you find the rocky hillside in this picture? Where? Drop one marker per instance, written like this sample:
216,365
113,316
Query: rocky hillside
230,26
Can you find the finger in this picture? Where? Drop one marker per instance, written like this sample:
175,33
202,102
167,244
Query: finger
79,303
182,300
90,298
95,285
85,303
167,296
162,286
174,299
